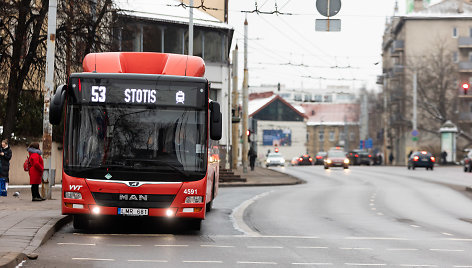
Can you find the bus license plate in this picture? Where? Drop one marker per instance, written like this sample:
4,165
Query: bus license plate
133,211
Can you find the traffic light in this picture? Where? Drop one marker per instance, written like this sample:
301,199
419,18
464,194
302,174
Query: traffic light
465,87
248,133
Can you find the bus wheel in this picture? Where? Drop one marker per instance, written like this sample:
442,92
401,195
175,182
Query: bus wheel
195,224
81,221
209,205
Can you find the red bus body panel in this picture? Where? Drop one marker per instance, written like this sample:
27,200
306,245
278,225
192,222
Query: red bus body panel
145,63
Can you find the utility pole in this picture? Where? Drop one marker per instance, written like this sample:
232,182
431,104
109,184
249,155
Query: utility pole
235,125
49,86
415,99
385,118
190,29
245,100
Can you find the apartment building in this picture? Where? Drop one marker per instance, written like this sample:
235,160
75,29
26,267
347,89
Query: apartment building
429,49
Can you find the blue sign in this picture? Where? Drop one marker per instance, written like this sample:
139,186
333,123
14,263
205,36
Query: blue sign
415,133
369,143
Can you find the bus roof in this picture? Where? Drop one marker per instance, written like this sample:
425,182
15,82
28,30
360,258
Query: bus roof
144,63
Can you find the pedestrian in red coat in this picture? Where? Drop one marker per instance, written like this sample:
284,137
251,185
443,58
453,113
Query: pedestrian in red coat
36,168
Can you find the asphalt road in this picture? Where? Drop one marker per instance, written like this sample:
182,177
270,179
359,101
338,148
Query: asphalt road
361,217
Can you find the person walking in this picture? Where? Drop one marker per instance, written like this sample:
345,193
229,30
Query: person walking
35,169
252,158
5,156
444,157
391,158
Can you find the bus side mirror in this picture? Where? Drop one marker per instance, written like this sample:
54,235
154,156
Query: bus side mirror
57,104
215,121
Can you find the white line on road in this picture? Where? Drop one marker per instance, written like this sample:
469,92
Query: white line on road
202,261
402,249
463,266
447,250
313,247
160,261
356,248
380,214
265,247
375,238
92,259
373,208
366,264
124,245
76,244
237,215
415,226
418,265
171,245
312,263
448,234
459,239
216,246
256,262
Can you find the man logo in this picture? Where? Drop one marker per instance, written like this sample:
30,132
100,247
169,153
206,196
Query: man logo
133,183
133,197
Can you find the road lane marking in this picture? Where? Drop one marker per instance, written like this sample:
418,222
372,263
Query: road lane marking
171,245
445,249
124,245
459,239
380,214
160,261
402,249
313,247
238,212
448,234
356,248
415,226
463,266
418,265
365,264
312,263
371,204
266,247
202,261
76,244
255,262
216,246
374,238
92,259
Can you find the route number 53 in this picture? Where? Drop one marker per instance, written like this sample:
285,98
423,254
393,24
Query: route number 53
98,94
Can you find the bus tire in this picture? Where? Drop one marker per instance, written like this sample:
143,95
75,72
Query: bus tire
195,224
81,222
209,205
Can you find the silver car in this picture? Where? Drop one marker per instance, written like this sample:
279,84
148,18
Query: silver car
275,159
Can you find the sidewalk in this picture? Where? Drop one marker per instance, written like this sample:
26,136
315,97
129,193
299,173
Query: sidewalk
26,225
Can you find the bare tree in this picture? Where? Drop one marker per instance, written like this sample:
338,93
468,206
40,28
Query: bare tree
436,86
83,27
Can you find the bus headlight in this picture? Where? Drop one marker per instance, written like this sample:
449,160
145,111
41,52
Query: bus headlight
73,195
194,199
346,161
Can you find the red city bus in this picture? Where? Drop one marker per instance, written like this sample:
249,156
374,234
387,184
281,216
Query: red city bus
137,137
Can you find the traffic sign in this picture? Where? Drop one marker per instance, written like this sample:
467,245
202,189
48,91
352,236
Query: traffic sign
328,25
328,8
414,139
415,133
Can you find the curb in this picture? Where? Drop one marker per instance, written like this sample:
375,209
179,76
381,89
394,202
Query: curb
468,188
242,184
13,259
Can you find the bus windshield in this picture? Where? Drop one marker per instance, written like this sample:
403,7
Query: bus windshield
135,143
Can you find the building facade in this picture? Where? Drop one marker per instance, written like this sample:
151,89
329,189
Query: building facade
429,50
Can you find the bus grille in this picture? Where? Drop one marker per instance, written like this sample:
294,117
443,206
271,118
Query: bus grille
133,200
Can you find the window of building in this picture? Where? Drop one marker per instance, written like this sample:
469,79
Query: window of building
174,40
328,98
213,47
318,98
352,136
331,135
152,38
213,94
455,56
470,56
454,32
341,136
297,97
470,32
321,135
312,112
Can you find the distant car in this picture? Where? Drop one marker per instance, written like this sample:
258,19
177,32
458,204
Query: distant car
319,158
360,157
421,159
336,158
294,161
468,162
275,159
305,160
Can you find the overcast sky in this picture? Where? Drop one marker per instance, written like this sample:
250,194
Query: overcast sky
278,43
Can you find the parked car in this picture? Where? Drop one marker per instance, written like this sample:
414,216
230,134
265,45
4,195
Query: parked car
336,158
305,160
360,157
294,161
421,159
468,162
319,158
275,159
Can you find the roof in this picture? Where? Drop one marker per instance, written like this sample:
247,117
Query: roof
166,10
256,105
144,63
332,113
